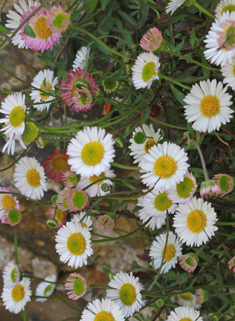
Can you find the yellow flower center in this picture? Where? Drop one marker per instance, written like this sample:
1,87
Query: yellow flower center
17,116
149,71
13,275
30,133
127,294
59,215
186,296
59,163
59,20
234,70
76,244
47,289
230,37
48,86
17,293
95,178
165,166
184,188
92,153
209,106
79,199
162,202
170,252
185,319
33,177
149,144
229,8
8,201
78,286
104,316
196,221
83,224
41,30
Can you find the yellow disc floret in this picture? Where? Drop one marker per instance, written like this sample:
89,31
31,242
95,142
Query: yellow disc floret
170,252
33,177
8,201
165,166
76,244
186,296
185,319
196,221
185,188
41,30
209,106
92,153
59,215
59,163
95,178
47,88
149,144
162,202
104,316
17,116
18,293
127,294
149,71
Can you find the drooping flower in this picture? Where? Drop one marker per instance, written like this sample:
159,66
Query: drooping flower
184,314
173,5
152,40
45,289
207,106
11,275
110,85
69,179
76,285
165,166
125,291
30,178
194,222
7,201
82,57
57,19
187,299
78,91
145,70
77,199
45,81
224,6
55,165
106,223
201,296
231,264
12,216
62,199
189,262
143,139
73,244
173,251
225,182
83,219
60,216
91,152
209,188
30,133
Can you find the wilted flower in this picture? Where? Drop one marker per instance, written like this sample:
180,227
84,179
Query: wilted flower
225,182
106,223
189,262
209,188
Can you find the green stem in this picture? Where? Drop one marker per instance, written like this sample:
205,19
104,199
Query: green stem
166,125
69,305
24,315
16,247
174,81
225,223
42,280
202,161
125,167
203,10
15,161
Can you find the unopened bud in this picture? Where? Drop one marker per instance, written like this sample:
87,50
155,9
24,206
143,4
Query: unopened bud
52,222
119,142
139,137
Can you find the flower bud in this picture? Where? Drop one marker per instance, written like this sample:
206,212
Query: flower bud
52,222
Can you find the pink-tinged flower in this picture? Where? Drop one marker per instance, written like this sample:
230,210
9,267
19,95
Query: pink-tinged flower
44,38
55,166
231,264
7,201
76,285
106,223
77,200
225,182
79,92
62,200
209,188
201,296
189,262
152,40
60,216
11,217
69,179
58,19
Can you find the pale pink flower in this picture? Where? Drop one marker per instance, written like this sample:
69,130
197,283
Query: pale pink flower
209,188
77,199
152,40
7,201
55,165
231,264
60,216
106,223
76,285
12,216
57,19
225,182
188,262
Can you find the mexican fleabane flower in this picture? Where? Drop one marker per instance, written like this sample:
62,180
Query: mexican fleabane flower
106,223
152,40
102,310
184,314
202,296
174,4
220,41
44,38
81,59
164,166
30,178
207,106
11,275
173,251
225,183
77,199
224,6
62,198
7,201
45,81
57,19
14,299
77,92
187,299
125,291
189,262
194,222
73,244
45,289
209,188
110,85
143,139
228,71
69,179
91,152
55,165
14,19
76,285
83,219
145,70
12,216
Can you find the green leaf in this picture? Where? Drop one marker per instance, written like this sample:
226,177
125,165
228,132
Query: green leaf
129,185
127,18
192,37
178,94
143,15
104,4
190,129
6,91
4,30
29,31
91,5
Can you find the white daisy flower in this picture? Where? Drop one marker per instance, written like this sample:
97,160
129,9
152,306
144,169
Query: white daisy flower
126,293
194,222
184,190
83,221
7,201
82,57
145,70
173,251
165,166
223,6
11,275
207,105
97,188
102,310
30,178
184,313
14,109
228,71
142,140
91,152
155,205
45,81
45,289
15,299
14,20
173,5
73,244
220,40
187,299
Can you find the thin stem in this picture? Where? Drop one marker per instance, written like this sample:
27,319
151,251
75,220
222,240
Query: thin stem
24,315
39,279
225,223
174,81
202,161
203,10
15,161
16,247
131,168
